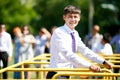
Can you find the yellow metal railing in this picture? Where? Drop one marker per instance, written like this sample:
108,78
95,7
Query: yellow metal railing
43,60
108,76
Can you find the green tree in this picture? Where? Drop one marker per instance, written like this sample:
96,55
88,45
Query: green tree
13,13
107,15
47,13
51,11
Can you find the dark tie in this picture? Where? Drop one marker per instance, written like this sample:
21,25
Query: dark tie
73,43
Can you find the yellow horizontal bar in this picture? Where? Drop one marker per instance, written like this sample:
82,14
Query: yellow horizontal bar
35,62
84,74
56,69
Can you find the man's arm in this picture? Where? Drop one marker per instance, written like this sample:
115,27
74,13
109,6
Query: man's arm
10,48
91,55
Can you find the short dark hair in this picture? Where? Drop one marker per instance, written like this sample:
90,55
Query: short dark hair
71,9
106,37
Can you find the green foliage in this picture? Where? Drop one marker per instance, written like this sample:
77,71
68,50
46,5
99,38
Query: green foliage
47,13
51,12
15,14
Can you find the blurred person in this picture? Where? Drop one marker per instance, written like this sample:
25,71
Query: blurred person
53,29
5,48
104,47
26,49
47,47
17,39
116,41
92,39
64,43
41,41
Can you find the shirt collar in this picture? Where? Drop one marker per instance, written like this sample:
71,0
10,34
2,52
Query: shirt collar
2,33
97,35
68,29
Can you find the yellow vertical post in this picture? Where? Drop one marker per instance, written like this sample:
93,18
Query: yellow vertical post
22,72
41,73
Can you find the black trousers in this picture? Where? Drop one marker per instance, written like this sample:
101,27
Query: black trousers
116,70
52,73
4,58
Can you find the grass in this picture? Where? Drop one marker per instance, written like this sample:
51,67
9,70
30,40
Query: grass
11,73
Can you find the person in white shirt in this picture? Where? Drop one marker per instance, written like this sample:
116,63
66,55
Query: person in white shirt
92,39
64,43
104,46
5,48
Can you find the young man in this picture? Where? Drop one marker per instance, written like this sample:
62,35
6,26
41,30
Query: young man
65,41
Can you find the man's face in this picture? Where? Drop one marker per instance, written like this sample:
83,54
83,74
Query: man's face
2,28
71,19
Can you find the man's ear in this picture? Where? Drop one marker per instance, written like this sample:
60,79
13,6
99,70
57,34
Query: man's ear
63,17
79,18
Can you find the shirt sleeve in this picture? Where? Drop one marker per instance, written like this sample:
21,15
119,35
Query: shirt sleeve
10,48
88,53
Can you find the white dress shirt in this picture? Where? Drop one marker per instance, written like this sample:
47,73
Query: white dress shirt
6,43
91,41
61,50
95,40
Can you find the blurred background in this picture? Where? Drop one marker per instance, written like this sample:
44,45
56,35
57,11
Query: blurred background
47,13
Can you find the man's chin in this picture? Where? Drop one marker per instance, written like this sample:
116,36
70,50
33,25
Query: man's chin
72,26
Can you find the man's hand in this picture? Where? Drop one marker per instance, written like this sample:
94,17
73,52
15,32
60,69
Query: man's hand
95,68
108,64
